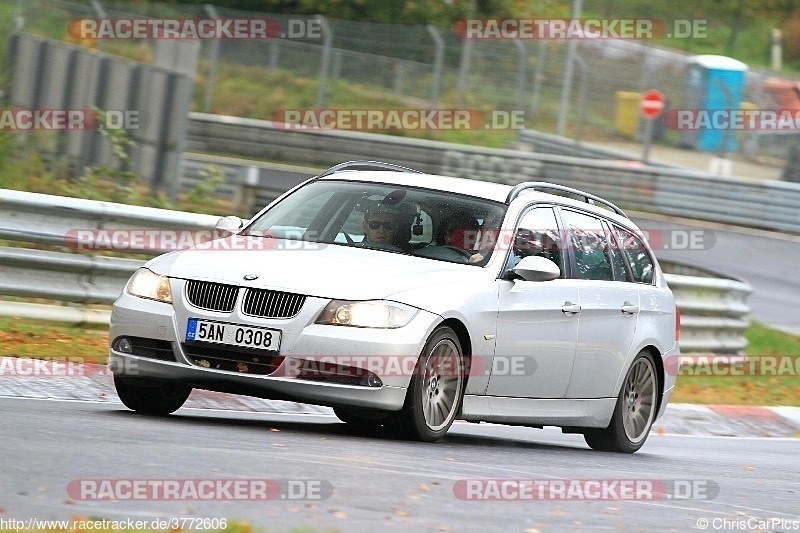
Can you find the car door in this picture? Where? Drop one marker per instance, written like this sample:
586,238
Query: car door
536,323
609,306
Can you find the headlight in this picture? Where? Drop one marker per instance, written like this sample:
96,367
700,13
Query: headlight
147,284
370,314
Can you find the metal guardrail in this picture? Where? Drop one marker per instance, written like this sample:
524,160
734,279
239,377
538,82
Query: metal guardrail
65,274
547,143
714,310
764,204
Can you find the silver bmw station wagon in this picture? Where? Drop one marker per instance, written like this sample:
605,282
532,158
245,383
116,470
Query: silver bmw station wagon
409,300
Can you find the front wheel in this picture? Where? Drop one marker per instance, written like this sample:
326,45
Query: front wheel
151,397
634,412
435,392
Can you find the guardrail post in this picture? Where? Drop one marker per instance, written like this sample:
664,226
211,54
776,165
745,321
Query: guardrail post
213,57
438,61
325,63
244,199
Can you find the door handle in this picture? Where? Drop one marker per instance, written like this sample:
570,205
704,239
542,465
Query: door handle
570,308
629,309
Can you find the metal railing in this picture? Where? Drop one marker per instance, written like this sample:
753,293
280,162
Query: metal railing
673,191
714,310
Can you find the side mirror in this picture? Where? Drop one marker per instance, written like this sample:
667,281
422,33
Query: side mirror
536,268
230,225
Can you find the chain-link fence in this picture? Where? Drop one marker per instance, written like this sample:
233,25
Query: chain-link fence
357,65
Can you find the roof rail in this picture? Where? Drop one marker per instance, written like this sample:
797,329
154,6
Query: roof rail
545,186
366,165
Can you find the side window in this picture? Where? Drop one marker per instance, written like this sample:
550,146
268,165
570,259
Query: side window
538,234
638,256
588,241
620,269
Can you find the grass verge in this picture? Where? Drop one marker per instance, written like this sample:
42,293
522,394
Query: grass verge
781,387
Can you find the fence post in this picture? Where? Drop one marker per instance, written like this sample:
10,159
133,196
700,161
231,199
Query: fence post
584,71
19,15
541,57
522,65
438,60
463,69
97,7
336,68
563,108
399,75
212,62
324,67
645,82
274,54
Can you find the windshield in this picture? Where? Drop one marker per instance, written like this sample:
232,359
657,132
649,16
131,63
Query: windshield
431,224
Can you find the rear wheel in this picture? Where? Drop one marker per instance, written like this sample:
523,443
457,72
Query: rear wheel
435,392
151,397
634,413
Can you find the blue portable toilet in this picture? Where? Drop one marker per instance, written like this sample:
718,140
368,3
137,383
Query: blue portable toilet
712,82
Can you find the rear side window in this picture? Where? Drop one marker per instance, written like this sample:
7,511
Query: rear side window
588,241
637,254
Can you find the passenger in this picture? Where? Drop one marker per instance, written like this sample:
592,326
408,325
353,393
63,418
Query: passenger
489,234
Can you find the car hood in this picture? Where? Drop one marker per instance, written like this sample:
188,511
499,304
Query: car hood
326,271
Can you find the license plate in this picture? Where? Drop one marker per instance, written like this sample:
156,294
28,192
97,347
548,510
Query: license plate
233,334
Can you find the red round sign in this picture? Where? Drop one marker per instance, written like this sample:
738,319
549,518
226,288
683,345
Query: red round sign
652,103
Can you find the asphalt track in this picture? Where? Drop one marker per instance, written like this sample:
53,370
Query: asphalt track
768,261
370,482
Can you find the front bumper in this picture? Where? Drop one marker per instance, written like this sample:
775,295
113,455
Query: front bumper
301,339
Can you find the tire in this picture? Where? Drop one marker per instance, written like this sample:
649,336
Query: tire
360,417
634,412
436,390
151,397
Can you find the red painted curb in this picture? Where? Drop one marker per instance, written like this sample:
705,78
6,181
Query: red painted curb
745,411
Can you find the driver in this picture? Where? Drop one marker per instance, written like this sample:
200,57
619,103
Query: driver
380,227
